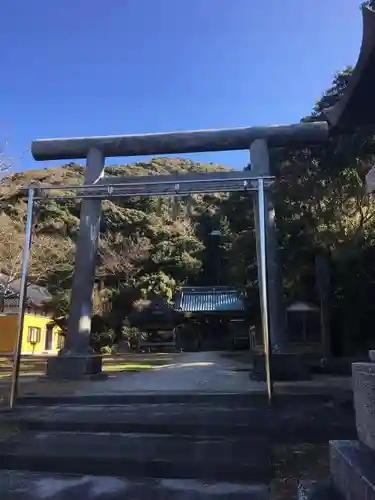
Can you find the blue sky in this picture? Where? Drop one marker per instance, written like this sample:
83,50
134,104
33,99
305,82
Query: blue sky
94,67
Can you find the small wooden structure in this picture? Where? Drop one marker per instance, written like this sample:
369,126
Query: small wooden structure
156,320
303,321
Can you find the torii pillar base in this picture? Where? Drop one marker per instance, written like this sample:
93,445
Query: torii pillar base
74,367
285,367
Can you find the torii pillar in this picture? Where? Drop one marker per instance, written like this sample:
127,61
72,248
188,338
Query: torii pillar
285,365
260,164
76,360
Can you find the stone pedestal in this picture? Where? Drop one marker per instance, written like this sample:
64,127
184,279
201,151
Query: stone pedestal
285,367
352,463
74,367
364,401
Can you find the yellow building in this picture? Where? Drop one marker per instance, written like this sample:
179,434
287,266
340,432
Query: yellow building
39,336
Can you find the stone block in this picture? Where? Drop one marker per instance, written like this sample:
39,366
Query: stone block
353,470
285,367
364,401
74,367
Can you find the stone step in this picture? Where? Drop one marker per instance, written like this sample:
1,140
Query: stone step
284,424
240,459
284,396
23,485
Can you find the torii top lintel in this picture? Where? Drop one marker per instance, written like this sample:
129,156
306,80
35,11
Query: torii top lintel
196,141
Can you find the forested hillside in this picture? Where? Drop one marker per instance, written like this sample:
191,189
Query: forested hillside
148,246
151,246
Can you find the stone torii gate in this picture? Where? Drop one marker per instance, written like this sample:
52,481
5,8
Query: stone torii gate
75,358
355,108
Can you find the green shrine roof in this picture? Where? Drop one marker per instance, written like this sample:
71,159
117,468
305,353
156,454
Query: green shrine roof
209,299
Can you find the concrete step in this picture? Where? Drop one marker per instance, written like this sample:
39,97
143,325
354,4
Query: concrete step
239,459
293,423
20,485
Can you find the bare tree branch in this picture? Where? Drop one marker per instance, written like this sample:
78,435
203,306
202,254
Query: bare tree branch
119,257
11,248
47,253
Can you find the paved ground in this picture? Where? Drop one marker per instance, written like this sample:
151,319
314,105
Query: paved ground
192,372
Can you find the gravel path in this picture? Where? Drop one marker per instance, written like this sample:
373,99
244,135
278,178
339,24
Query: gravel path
192,372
